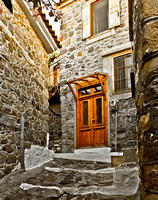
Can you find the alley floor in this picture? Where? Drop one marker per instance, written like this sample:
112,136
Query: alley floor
63,179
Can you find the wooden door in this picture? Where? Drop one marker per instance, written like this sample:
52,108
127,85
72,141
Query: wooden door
98,121
85,123
92,121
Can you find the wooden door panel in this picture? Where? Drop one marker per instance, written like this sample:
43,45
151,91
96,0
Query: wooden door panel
85,115
86,135
99,137
86,139
98,112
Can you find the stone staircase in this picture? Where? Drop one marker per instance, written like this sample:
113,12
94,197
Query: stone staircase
85,174
96,158
95,154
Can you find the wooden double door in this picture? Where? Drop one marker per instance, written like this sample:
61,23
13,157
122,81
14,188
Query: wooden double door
92,119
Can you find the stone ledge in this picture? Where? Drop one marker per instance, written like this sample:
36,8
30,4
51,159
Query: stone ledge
100,36
45,191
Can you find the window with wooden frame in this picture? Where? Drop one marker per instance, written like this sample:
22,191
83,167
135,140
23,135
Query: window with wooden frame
123,66
54,75
100,15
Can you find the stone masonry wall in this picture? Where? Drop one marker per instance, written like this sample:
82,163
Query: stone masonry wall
23,82
55,127
145,22
123,125
82,57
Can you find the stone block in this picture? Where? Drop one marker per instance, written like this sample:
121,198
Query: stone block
149,8
150,37
10,47
67,42
11,159
149,177
150,146
144,121
152,197
7,170
129,155
7,148
2,157
72,48
71,57
71,33
79,53
36,156
116,160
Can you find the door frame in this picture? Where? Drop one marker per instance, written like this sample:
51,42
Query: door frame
93,126
89,81
93,95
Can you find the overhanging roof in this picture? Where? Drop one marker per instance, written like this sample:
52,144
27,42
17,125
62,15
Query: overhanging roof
42,28
86,81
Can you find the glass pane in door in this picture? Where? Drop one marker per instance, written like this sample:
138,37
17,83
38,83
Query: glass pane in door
99,111
85,113
98,88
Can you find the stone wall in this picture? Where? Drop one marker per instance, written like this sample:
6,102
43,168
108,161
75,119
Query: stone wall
145,23
123,125
83,57
55,127
23,87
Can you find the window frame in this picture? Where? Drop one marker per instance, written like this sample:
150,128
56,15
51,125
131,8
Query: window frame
128,89
54,75
91,17
113,18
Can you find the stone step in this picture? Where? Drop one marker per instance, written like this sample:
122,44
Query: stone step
81,177
37,192
93,150
67,183
97,157
78,164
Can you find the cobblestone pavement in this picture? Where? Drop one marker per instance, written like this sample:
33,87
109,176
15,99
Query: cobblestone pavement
62,180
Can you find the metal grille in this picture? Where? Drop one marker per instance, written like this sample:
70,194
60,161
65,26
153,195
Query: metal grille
122,69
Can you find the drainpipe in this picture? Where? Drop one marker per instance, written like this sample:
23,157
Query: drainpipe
116,130
22,143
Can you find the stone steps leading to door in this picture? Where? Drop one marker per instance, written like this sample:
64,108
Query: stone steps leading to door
78,164
66,179
88,154
93,150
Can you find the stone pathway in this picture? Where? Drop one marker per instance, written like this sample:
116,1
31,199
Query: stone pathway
55,181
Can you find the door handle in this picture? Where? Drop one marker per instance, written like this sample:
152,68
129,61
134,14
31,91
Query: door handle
93,120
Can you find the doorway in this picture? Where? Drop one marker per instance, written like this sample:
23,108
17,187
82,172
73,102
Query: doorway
92,117
91,110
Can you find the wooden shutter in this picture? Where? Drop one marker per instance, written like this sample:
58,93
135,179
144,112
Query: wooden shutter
86,21
114,13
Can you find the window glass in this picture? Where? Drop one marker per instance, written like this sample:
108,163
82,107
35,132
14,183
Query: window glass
129,60
122,69
85,91
100,16
98,89
85,113
99,110
8,4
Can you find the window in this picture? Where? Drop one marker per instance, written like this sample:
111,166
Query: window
99,15
54,75
8,4
122,71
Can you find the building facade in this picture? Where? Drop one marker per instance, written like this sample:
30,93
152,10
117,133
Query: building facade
24,113
95,69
